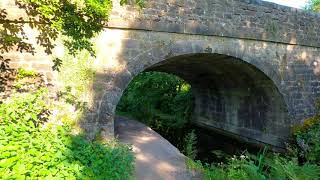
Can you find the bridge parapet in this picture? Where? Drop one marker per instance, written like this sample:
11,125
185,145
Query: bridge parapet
248,19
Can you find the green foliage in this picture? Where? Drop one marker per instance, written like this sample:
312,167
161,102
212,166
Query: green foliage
77,75
7,74
72,99
33,147
12,36
242,168
282,168
162,101
27,110
271,28
308,139
22,73
313,5
220,155
79,20
158,93
27,81
190,142
236,168
57,62
140,3
256,167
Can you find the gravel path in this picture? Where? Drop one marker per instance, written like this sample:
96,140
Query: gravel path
156,158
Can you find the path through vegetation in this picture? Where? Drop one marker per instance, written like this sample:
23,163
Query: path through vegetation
156,158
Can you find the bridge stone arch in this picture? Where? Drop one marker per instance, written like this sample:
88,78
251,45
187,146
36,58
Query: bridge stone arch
252,77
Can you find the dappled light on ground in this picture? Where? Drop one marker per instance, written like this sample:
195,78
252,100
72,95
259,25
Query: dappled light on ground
155,157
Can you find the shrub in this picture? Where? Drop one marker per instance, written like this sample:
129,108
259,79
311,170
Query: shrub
236,168
190,142
313,5
159,93
283,168
32,147
162,101
22,73
245,167
308,139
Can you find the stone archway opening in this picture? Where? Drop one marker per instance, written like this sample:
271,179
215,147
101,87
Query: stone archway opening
232,97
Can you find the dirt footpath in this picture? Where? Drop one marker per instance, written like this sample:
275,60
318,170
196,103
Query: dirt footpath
156,158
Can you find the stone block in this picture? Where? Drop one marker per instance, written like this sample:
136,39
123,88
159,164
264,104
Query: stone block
42,67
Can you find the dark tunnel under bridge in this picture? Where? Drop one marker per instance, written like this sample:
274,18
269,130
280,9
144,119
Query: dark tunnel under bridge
232,97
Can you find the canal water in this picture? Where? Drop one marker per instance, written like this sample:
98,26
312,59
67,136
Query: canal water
214,147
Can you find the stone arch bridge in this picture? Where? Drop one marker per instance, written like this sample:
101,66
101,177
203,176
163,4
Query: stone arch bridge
253,66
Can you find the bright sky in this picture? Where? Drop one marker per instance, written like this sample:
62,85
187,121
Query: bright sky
292,3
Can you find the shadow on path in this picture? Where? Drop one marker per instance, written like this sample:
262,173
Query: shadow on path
156,158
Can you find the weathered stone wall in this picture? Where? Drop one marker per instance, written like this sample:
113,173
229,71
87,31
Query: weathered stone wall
293,69
249,19
41,62
280,42
238,99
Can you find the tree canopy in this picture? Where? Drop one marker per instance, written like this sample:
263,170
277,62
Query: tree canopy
77,20
313,5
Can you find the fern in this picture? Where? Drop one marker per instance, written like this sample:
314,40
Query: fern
190,142
289,169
